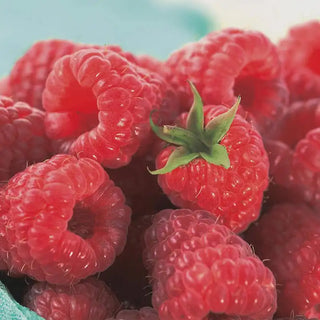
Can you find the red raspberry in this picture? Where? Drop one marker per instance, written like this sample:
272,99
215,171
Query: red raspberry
29,74
299,52
228,63
287,237
294,151
66,220
5,87
22,137
98,106
198,266
232,190
145,313
90,299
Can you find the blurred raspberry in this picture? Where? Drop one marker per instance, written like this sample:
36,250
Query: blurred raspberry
22,137
90,299
299,52
287,238
228,63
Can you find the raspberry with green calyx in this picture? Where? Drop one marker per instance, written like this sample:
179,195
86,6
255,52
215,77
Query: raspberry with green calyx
197,140
216,161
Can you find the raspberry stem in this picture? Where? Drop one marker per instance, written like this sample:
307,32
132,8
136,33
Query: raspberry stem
197,140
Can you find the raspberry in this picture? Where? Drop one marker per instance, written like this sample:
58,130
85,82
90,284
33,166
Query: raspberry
287,237
66,220
198,266
299,52
29,74
5,87
22,137
293,149
90,299
145,313
228,63
98,106
234,192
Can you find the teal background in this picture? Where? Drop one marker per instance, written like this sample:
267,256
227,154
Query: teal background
140,26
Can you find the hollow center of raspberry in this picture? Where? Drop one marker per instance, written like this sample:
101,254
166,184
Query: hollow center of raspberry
79,114
313,61
82,222
245,87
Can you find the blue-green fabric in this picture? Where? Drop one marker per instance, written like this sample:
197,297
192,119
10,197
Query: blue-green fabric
151,27
11,310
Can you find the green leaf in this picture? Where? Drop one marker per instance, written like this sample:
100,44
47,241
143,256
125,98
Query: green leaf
183,137
178,157
160,131
218,156
177,136
195,120
217,128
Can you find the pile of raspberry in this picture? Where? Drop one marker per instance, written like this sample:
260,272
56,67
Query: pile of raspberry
184,189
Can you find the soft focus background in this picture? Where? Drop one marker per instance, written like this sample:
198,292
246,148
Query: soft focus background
155,27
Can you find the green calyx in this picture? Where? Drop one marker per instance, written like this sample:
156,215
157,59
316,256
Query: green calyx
197,140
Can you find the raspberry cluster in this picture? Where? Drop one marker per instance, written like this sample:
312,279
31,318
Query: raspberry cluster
139,189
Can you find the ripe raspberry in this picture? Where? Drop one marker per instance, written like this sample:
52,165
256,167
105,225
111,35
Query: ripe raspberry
98,106
29,74
198,266
228,63
299,52
228,180
66,220
90,299
145,313
22,137
5,87
287,236
293,149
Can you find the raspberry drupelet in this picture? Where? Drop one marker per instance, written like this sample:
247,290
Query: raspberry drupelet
23,140
218,164
65,220
199,268
98,104
228,63
299,52
287,237
90,299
